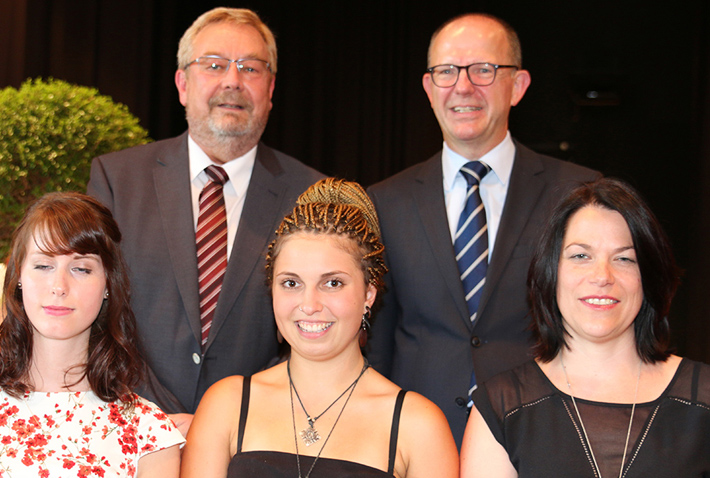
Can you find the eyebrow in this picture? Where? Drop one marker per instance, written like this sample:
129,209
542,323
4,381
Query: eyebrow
323,276
587,246
75,255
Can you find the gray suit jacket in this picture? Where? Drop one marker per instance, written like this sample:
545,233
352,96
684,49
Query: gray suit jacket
148,190
422,337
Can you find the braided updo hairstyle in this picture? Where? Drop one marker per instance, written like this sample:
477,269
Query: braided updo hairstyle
343,208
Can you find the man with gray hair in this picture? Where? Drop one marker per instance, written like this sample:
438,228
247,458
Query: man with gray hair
198,211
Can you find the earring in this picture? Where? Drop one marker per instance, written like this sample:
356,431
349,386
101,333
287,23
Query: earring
364,327
19,285
106,295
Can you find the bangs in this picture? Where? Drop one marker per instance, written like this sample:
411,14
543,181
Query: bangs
61,230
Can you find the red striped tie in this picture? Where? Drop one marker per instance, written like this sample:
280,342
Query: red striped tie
211,246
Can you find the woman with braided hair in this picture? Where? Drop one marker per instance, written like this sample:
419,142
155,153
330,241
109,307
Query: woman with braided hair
323,412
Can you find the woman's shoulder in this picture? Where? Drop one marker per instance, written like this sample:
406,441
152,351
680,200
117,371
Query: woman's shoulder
691,383
420,417
514,388
225,391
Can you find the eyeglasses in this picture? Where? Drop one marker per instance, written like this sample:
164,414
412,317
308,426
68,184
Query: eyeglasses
214,65
479,74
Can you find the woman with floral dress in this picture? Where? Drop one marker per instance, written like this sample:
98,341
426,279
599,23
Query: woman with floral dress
68,354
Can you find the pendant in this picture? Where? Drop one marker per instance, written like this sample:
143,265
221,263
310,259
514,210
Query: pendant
310,435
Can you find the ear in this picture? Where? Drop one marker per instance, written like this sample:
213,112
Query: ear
181,84
428,86
271,90
520,86
370,295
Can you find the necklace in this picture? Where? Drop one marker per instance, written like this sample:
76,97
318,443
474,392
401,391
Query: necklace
310,435
292,389
584,430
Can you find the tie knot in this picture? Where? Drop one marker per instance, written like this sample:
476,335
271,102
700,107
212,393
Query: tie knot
217,174
474,171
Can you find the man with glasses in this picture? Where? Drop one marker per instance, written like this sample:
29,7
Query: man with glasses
460,228
198,211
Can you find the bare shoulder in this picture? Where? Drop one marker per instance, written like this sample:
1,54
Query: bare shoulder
426,446
223,398
418,410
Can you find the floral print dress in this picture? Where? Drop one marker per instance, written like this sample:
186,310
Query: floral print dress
76,434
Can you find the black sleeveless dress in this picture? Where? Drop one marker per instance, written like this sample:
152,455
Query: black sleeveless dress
538,426
276,464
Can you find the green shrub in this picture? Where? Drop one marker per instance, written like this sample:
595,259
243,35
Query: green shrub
49,133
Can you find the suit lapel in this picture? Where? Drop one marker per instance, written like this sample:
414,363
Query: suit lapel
523,194
260,217
172,178
431,206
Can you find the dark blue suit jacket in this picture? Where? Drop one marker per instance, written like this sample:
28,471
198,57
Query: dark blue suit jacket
422,337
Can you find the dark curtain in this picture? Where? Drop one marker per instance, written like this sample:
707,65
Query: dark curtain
617,86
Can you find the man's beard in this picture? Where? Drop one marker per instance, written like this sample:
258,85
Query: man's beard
227,130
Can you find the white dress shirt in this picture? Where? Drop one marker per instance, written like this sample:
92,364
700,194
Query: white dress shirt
235,189
493,188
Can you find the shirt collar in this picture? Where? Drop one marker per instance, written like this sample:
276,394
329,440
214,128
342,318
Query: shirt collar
236,168
500,159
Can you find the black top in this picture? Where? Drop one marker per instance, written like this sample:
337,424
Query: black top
537,425
275,464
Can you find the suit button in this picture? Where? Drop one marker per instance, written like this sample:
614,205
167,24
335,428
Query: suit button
196,358
460,402
475,341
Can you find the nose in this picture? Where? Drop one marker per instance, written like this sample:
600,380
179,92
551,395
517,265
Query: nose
60,284
311,303
463,84
602,274
232,78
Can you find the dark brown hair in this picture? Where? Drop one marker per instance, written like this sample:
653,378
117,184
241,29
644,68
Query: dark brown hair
67,223
659,274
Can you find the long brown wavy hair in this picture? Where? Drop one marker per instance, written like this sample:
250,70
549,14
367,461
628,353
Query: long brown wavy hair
72,223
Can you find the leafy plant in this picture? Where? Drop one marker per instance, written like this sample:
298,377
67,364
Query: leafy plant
50,130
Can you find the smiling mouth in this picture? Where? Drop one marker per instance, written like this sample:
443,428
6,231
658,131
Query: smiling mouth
467,109
314,327
600,301
231,107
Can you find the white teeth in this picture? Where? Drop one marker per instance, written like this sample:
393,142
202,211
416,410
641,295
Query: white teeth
314,327
601,301
466,109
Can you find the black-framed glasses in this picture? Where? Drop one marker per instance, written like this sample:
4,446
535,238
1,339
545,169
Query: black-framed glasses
479,74
214,65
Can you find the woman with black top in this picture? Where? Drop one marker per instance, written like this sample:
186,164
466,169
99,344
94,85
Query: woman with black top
604,396
324,412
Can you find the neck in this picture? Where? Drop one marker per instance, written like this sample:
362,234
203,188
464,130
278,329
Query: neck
58,367
601,358
319,382
222,149
475,149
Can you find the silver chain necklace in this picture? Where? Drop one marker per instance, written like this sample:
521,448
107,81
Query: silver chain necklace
292,388
310,435
584,430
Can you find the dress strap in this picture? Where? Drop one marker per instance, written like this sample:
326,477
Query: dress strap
246,386
395,430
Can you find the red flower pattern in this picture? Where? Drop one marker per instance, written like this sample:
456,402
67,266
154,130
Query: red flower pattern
77,435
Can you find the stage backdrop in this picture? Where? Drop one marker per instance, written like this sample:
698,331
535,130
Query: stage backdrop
617,86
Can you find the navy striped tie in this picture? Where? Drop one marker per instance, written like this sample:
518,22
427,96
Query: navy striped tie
471,240
471,243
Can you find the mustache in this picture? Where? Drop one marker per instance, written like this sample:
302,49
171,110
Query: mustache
232,98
